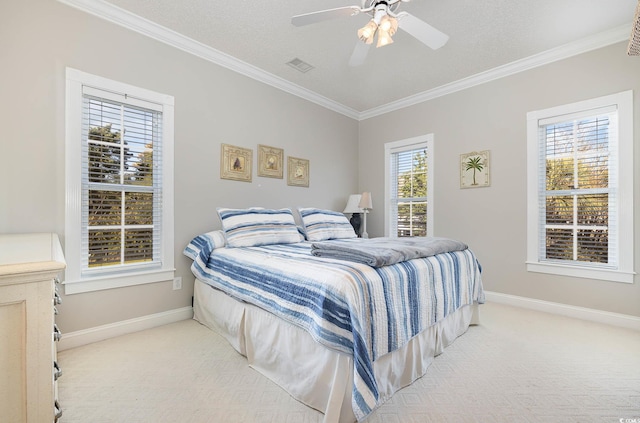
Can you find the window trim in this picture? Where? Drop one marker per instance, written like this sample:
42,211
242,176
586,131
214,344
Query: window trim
74,282
624,271
422,141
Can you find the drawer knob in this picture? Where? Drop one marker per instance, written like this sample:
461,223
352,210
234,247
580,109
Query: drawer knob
57,335
57,410
57,371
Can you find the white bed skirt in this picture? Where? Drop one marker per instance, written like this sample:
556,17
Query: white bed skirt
311,373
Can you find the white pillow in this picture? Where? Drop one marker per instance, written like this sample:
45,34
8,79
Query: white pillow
258,226
320,225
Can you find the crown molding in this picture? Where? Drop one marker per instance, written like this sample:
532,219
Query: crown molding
124,18
593,42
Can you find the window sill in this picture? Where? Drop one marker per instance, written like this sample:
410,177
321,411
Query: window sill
581,272
117,281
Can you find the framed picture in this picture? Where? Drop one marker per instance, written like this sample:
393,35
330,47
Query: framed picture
297,172
270,161
236,163
474,169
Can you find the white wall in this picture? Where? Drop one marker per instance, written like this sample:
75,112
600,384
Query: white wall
39,38
492,220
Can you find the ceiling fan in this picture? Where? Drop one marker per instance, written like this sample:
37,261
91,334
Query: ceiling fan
385,20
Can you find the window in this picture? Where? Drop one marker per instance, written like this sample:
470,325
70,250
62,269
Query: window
119,217
580,189
408,187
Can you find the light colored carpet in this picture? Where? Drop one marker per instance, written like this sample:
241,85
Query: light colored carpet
516,366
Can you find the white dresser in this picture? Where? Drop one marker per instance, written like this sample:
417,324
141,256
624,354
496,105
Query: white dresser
30,265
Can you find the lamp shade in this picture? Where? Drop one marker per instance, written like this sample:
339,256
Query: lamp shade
367,32
352,204
365,201
383,38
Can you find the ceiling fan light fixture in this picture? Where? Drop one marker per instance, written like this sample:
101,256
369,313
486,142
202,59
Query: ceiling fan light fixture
383,38
385,23
389,24
367,32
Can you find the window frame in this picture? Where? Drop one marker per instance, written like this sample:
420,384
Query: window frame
623,246
424,141
75,281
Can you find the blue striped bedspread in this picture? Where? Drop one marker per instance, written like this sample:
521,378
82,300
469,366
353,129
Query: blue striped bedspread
349,307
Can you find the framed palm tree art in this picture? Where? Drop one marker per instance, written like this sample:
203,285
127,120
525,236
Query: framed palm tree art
474,169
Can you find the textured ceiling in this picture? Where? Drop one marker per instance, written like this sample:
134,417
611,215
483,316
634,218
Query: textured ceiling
484,35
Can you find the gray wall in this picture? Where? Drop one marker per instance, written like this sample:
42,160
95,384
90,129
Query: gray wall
492,220
39,38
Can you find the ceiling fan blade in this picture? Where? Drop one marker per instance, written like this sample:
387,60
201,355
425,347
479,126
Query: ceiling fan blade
422,31
323,15
359,54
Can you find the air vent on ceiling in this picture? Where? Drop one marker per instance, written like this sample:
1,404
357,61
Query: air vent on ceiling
300,65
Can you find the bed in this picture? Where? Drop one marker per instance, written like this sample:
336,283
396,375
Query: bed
339,335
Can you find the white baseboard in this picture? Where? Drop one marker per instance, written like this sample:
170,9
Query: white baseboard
606,317
100,333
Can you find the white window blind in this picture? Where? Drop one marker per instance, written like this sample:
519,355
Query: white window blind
408,182
577,188
121,184
580,189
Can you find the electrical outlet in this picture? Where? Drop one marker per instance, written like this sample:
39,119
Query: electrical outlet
177,283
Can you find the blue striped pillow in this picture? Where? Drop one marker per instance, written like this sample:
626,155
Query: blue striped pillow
258,226
204,243
320,225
